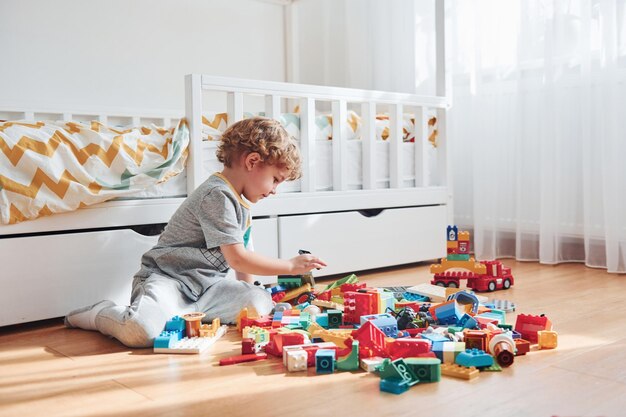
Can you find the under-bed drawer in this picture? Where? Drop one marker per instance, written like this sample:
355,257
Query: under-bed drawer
351,241
47,276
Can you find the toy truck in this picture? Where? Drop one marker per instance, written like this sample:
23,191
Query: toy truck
495,277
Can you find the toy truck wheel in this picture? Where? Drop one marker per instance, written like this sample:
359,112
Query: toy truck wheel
506,284
440,283
491,286
453,284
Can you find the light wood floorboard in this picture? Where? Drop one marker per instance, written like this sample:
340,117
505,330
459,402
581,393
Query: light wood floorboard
48,370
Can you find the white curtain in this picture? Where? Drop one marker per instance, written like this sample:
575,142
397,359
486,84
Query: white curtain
538,129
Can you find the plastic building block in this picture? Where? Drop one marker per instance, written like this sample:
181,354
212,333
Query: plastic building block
166,340
397,369
322,319
468,322
371,364
192,323
474,357
307,348
458,371
243,358
425,369
502,347
290,281
385,322
296,360
394,386
528,326
475,339
176,324
351,361
522,347
409,296
409,348
493,368
335,319
547,339
192,345
371,339
504,305
448,351
434,292
494,314
325,361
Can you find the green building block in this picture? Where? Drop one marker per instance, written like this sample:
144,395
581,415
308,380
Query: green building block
458,257
350,362
397,369
426,369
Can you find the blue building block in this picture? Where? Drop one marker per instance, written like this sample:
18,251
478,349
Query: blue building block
166,339
434,337
176,324
467,322
474,357
322,320
325,361
414,297
385,322
394,386
466,297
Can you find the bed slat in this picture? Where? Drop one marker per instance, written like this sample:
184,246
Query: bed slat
368,141
235,107
395,139
307,143
421,142
340,145
272,106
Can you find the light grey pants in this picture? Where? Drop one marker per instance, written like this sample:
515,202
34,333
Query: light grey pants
158,299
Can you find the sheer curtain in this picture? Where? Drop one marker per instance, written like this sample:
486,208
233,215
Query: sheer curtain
539,129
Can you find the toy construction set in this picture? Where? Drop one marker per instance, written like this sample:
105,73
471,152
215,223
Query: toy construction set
407,335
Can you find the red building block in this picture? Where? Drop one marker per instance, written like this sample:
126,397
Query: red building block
528,326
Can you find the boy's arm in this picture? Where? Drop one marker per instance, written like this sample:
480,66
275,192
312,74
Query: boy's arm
242,276
247,262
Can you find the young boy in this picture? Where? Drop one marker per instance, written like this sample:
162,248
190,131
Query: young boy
208,234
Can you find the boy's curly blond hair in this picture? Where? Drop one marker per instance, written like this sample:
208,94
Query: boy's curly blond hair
265,136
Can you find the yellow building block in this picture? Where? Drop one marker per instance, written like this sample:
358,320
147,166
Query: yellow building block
547,339
470,265
458,371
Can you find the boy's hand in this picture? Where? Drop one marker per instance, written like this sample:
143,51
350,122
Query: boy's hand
304,263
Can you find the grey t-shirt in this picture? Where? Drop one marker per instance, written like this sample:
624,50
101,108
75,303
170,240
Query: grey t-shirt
189,248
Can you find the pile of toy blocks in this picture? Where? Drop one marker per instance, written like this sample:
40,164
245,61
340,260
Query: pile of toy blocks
408,335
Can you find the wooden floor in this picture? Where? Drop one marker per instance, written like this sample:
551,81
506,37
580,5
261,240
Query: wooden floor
48,370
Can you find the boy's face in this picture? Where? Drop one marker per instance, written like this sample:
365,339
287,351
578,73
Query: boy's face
262,181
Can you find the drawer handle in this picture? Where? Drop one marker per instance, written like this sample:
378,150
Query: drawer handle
371,212
148,229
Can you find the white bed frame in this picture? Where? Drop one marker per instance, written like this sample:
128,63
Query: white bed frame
53,264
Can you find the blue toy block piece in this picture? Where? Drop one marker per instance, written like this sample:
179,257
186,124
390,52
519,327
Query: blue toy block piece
176,324
499,315
385,322
414,297
325,361
516,335
303,305
278,316
474,357
434,337
466,297
276,289
452,233
394,386
165,339
322,320
467,322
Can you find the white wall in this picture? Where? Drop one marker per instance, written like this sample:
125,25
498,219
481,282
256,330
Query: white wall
371,44
77,54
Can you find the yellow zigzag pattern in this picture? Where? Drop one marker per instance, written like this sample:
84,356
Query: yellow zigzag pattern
41,178
215,124
82,155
